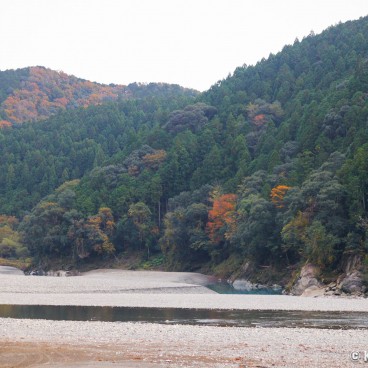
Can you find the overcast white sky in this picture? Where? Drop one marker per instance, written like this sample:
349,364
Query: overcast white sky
193,43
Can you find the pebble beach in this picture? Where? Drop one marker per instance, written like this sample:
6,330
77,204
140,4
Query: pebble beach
42,343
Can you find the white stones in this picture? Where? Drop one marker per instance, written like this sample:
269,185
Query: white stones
153,289
187,345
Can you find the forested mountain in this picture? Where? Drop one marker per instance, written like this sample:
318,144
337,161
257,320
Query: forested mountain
36,93
269,167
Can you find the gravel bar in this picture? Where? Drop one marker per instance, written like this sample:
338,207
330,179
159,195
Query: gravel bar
153,289
189,346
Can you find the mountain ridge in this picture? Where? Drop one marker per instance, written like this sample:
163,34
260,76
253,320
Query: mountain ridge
39,92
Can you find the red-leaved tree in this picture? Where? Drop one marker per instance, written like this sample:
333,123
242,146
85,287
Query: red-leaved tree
221,218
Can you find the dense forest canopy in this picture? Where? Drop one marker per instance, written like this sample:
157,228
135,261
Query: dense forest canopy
36,93
270,165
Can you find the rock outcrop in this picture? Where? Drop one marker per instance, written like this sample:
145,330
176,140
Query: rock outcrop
350,282
307,283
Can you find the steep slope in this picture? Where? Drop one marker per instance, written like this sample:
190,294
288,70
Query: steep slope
37,158
35,93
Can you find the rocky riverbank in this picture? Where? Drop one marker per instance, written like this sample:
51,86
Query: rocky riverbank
349,283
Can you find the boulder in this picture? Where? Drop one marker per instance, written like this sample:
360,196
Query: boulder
352,283
37,272
62,273
307,280
314,291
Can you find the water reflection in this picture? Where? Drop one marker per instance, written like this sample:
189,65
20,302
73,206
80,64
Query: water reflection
240,318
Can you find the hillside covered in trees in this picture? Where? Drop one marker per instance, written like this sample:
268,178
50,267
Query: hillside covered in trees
267,168
36,93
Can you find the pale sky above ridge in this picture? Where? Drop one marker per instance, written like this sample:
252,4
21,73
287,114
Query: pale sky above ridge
193,43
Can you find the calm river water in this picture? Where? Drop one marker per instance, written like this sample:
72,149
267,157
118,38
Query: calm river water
239,318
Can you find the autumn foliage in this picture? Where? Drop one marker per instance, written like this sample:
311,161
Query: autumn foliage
154,160
93,234
5,124
261,112
222,214
44,92
277,195
11,221
260,119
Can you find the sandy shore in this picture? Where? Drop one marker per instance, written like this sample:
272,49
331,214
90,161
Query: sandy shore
41,343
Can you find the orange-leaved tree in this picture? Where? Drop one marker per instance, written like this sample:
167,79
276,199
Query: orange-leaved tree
92,235
277,195
221,218
154,160
5,124
259,120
